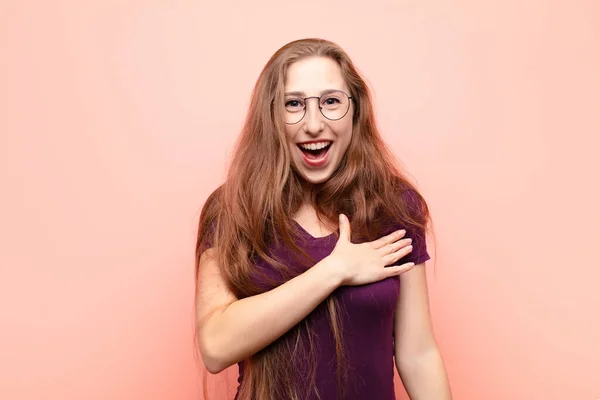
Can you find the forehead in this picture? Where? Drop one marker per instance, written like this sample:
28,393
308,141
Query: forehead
314,75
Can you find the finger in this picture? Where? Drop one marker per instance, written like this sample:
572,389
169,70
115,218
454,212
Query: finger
399,269
395,256
393,247
391,238
344,227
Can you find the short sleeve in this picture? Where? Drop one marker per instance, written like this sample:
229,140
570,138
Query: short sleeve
419,254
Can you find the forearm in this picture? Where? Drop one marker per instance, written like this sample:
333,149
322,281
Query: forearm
248,325
424,376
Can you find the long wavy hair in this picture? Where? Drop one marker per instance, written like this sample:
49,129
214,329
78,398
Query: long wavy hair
253,208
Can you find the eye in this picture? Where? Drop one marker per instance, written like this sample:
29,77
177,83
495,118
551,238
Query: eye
332,101
294,105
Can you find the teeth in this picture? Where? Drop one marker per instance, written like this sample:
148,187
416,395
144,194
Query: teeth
315,146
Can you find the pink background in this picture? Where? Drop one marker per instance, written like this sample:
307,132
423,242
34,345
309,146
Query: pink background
117,119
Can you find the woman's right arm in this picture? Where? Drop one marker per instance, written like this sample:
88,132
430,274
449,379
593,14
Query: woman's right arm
231,330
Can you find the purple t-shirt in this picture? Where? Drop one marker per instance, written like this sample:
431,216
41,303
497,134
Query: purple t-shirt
367,324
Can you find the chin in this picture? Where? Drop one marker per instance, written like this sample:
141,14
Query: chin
316,181
315,178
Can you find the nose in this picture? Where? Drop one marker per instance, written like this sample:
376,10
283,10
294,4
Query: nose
313,120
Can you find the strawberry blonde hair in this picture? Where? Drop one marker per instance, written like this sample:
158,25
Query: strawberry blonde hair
252,209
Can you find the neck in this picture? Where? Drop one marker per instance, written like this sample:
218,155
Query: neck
307,189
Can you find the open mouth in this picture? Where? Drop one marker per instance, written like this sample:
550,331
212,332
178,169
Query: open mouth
315,151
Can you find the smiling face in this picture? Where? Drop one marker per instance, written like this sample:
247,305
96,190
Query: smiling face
317,144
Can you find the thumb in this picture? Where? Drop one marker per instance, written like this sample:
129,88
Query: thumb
345,231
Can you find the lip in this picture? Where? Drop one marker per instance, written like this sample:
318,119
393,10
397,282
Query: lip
316,162
315,141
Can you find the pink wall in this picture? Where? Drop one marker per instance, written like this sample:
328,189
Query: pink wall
116,120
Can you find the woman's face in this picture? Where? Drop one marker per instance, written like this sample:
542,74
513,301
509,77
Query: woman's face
317,143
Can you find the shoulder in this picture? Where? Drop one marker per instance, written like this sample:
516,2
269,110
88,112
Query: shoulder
209,216
214,199
410,196
416,206
410,207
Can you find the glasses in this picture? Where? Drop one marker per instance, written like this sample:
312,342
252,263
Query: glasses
333,105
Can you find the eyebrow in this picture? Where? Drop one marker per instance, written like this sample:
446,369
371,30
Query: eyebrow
303,94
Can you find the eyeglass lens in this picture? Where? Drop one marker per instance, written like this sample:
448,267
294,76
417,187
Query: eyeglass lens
333,106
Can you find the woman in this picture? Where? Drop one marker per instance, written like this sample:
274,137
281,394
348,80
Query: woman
300,251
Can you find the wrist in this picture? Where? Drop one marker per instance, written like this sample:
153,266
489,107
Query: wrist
332,271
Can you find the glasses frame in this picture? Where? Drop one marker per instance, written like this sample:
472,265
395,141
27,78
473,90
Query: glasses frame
321,108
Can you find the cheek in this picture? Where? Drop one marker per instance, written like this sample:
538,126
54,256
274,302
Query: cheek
291,131
344,139
344,133
291,145
289,137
